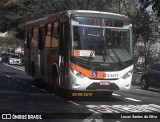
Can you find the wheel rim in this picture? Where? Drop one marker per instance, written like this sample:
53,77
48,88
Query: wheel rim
144,83
56,83
34,76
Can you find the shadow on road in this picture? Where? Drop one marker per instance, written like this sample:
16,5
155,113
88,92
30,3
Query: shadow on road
9,73
154,90
96,96
88,96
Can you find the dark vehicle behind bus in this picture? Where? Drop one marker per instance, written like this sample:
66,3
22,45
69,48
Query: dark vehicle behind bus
138,68
151,77
5,57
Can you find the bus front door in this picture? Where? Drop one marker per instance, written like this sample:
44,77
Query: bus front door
63,52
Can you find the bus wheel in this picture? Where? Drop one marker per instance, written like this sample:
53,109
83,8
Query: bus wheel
34,76
55,85
108,94
144,84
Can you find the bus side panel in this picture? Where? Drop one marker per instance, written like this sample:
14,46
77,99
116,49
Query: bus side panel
51,58
34,58
27,53
34,50
26,60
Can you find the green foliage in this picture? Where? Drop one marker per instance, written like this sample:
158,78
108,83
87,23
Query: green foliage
15,13
155,5
6,43
141,23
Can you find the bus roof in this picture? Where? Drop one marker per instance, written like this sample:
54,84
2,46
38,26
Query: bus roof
97,12
88,13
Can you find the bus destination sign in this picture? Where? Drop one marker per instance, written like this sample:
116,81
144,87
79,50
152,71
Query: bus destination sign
101,22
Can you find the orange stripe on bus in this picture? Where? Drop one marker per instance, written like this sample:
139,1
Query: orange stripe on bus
76,52
86,72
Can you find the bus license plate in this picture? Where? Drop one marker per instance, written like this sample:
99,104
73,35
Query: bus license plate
104,83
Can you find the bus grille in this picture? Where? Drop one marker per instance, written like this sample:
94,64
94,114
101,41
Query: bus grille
97,86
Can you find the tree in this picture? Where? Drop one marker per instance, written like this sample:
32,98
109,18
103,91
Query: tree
15,13
154,3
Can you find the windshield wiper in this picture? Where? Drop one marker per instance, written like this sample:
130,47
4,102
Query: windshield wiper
106,54
115,53
92,53
93,50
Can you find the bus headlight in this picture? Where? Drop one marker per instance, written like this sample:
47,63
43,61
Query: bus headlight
128,74
77,73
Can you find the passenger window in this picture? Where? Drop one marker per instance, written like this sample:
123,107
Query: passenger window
41,37
64,39
48,35
49,26
35,37
55,34
29,38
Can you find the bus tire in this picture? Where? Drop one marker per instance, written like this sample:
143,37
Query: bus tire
107,94
110,94
144,83
34,76
55,85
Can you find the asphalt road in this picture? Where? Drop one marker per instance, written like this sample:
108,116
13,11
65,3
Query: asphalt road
19,96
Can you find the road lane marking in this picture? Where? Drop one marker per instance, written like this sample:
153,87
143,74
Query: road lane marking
93,111
116,94
95,117
25,83
8,76
144,108
43,90
73,103
132,99
18,80
33,86
4,74
22,69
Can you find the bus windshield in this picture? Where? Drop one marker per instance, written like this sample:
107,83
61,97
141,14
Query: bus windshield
99,43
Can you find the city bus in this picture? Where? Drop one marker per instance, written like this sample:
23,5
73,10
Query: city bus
80,50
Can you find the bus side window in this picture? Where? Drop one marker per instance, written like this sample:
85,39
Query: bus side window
35,37
64,38
29,38
48,35
61,45
41,37
55,35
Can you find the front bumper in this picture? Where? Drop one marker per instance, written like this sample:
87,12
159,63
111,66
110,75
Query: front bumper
15,62
86,84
